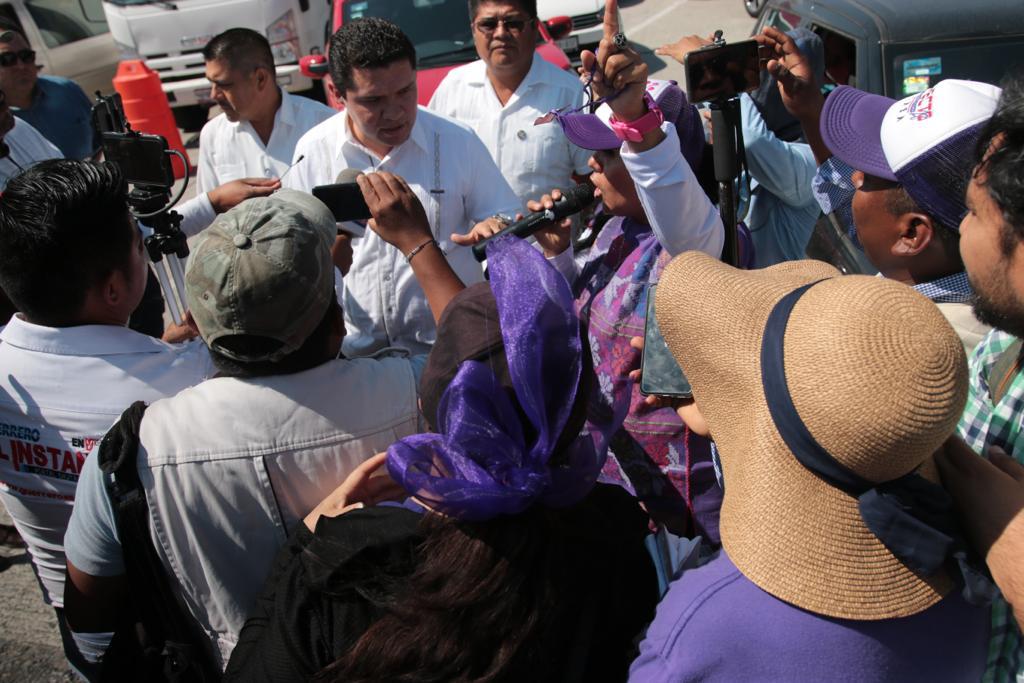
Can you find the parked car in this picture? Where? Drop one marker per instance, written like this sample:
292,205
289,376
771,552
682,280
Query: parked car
587,22
897,49
441,32
170,37
70,38
900,48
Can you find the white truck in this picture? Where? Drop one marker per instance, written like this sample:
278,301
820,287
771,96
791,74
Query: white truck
169,35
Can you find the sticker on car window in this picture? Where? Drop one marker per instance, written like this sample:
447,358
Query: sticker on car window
357,9
918,73
931,66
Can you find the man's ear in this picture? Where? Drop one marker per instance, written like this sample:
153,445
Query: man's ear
113,288
916,231
335,92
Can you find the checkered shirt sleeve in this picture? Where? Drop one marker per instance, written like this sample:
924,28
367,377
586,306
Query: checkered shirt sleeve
984,425
834,190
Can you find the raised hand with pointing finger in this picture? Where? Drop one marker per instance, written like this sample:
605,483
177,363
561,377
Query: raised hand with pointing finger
618,75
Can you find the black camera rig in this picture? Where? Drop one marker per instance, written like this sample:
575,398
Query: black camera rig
145,162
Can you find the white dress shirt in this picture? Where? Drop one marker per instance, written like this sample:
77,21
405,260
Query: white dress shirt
533,159
27,147
455,179
229,150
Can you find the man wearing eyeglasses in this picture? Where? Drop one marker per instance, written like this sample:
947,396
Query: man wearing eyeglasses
55,106
502,95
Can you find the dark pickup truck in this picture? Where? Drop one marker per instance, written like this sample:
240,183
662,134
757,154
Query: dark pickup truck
899,47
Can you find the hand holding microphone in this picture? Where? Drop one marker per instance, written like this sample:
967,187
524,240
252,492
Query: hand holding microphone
551,212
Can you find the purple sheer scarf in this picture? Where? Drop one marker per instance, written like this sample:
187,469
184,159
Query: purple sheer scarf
481,463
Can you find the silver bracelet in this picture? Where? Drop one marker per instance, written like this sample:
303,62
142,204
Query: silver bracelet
408,257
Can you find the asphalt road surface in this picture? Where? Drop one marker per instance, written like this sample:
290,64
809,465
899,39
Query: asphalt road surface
29,642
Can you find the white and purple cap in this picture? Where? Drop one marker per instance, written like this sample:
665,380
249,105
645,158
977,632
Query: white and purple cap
592,131
925,142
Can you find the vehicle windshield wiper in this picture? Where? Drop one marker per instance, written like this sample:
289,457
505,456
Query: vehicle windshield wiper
447,55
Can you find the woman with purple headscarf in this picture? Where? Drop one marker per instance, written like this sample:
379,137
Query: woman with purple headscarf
647,183
509,563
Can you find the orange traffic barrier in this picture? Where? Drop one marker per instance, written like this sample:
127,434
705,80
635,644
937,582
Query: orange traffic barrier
146,106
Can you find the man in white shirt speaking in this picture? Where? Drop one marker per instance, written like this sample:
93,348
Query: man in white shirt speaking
255,136
501,95
373,72
73,263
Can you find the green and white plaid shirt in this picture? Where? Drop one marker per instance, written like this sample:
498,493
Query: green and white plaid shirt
983,425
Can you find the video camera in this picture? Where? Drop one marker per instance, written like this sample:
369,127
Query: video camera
145,162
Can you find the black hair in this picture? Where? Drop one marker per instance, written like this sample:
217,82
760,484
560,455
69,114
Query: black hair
367,43
313,352
899,202
1000,160
242,49
64,227
529,7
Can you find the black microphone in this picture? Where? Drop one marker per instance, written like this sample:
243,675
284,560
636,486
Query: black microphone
573,201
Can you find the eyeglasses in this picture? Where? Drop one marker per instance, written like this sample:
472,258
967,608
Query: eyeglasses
11,58
490,25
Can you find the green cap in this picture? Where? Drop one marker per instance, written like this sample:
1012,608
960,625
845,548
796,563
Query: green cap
263,269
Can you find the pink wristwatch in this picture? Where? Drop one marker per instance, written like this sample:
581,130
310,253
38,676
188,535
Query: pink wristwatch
633,131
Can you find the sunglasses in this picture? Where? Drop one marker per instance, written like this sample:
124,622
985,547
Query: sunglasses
11,58
490,25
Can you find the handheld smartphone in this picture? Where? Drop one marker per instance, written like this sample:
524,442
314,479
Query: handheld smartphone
345,200
717,72
143,159
660,373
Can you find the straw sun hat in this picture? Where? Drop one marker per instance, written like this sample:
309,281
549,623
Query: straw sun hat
879,379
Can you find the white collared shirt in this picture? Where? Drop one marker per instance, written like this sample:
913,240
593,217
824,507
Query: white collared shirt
27,147
533,159
454,177
60,390
229,150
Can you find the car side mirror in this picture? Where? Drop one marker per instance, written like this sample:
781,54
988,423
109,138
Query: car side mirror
313,66
559,27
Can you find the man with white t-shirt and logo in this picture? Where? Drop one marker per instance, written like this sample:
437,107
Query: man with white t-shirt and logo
73,263
381,129
260,124
501,96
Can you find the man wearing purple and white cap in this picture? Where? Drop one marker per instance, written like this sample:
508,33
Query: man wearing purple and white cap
912,161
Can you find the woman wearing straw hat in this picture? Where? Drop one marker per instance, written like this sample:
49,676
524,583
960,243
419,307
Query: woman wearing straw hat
839,559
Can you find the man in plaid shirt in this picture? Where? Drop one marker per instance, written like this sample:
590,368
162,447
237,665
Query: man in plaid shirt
990,493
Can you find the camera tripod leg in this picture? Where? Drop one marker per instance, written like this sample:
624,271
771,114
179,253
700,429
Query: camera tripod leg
170,293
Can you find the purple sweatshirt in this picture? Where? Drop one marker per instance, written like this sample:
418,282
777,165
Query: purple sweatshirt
715,625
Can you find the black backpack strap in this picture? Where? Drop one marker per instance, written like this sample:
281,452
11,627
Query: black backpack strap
157,640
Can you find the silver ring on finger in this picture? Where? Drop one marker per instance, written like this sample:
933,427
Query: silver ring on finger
620,41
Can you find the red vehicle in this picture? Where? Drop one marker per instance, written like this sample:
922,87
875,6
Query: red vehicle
441,32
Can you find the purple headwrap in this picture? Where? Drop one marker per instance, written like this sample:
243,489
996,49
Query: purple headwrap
480,465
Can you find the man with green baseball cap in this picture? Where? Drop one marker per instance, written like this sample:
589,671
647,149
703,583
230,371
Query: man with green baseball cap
232,465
